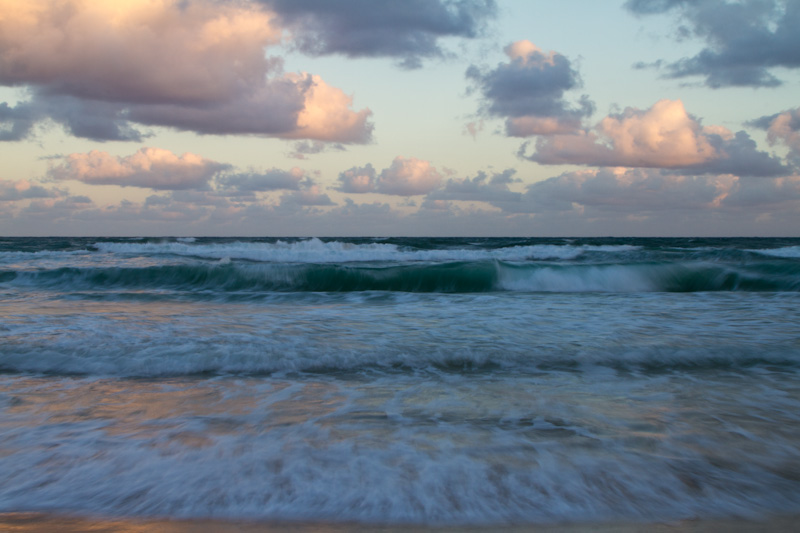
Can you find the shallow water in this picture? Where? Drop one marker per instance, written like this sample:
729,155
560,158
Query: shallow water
210,378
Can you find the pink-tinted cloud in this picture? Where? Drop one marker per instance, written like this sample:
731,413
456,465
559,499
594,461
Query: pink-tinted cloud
152,168
151,51
783,129
663,136
327,115
198,66
408,177
358,180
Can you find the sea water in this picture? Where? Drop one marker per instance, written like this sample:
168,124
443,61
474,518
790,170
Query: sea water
438,381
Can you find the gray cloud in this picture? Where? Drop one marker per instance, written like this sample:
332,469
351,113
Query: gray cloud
98,121
753,195
741,157
745,40
302,149
16,122
14,191
272,180
481,188
637,191
649,7
409,31
308,197
529,91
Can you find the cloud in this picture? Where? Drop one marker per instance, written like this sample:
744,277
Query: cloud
14,191
409,31
326,116
302,149
408,177
529,91
296,106
98,121
621,190
358,180
310,195
16,122
152,168
272,180
766,195
663,136
586,202
405,177
96,67
144,52
783,128
481,188
746,40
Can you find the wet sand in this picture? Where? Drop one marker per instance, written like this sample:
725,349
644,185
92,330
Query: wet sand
41,523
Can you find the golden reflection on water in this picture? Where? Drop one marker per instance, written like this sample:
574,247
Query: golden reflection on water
191,412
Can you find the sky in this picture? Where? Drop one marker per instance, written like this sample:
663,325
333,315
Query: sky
400,118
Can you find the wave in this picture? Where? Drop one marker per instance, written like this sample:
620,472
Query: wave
786,251
316,251
226,276
166,353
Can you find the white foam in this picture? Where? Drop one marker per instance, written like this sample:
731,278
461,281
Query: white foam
787,251
316,251
606,278
380,332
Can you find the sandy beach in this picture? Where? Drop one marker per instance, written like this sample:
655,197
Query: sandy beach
38,522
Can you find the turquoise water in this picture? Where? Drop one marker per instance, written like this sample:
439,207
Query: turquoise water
443,381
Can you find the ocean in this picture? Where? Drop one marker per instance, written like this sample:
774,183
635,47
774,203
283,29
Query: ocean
482,381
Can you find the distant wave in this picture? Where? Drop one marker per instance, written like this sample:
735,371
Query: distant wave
219,269
316,251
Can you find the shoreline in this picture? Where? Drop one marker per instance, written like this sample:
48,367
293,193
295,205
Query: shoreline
30,522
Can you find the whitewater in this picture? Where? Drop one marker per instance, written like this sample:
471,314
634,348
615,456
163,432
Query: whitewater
400,380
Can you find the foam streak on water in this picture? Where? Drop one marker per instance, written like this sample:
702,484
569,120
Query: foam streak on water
400,381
